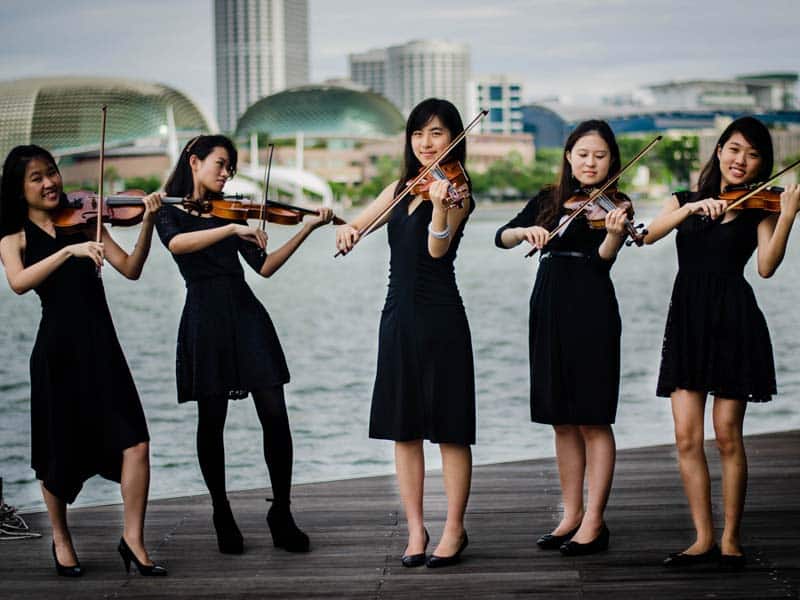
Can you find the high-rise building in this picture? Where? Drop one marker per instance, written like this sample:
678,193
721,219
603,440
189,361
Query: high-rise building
369,69
261,47
411,72
502,97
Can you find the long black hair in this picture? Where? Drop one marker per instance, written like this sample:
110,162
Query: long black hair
421,116
757,135
13,206
567,184
181,182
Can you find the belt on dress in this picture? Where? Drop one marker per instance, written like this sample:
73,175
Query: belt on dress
560,253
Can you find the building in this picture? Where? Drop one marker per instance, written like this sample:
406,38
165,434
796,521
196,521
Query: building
369,69
502,97
147,123
261,47
414,71
759,92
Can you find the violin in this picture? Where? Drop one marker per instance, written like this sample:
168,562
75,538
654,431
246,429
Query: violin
768,198
270,211
597,209
127,208
451,171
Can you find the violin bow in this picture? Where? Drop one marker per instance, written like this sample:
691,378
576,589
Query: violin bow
370,227
598,192
99,230
263,219
760,187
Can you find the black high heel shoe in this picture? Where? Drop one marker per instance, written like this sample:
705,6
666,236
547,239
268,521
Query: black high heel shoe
434,562
553,542
63,571
229,538
416,560
284,531
598,544
732,562
129,557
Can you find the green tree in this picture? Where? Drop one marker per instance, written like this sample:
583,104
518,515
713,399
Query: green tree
146,184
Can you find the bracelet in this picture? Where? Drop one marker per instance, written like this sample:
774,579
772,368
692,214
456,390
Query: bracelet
440,235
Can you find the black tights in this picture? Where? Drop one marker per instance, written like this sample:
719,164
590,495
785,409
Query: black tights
271,409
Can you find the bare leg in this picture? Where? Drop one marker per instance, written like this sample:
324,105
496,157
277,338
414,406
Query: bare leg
728,422
135,486
410,464
688,408
57,511
571,459
457,474
601,452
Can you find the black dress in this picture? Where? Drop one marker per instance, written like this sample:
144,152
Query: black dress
425,382
227,344
84,406
716,338
574,327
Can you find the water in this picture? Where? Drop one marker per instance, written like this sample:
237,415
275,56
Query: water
326,312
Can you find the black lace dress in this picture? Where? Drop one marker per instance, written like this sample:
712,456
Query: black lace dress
84,406
425,382
574,327
227,344
716,337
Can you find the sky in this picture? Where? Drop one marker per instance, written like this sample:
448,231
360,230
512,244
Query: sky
575,49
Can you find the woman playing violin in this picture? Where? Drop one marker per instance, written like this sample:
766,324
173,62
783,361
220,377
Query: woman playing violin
86,417
574,335
424,387
716,339
227,344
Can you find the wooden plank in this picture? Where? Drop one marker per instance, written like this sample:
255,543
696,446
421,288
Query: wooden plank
358,533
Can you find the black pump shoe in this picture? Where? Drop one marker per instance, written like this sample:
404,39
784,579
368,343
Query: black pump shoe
598,544
229,538
553,542
72,571
129,557
416,560
681,559
285,532
434,562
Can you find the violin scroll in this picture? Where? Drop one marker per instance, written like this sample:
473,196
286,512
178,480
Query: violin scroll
453,172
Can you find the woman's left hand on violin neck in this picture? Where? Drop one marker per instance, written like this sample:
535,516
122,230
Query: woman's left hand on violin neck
790,201
152,204
324,216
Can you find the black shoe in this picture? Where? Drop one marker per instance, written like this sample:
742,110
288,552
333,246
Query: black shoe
285,532
598,544
73,571
681,559
732,562
553,542
416,560
434,562
229,538
129,557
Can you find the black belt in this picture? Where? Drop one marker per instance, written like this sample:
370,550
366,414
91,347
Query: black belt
559,253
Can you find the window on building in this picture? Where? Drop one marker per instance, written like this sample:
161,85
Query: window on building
496,115
495,92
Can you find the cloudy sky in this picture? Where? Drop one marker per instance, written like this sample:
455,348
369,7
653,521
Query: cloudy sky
573,48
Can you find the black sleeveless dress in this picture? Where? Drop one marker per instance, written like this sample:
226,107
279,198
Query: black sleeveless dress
227,344
716,337
574,326
425,382
84,406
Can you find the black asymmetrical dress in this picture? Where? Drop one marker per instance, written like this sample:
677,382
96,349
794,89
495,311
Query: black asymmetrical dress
574,326
425,382
716,337
227,344
84,406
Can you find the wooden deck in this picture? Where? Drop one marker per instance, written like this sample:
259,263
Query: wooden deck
358,534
